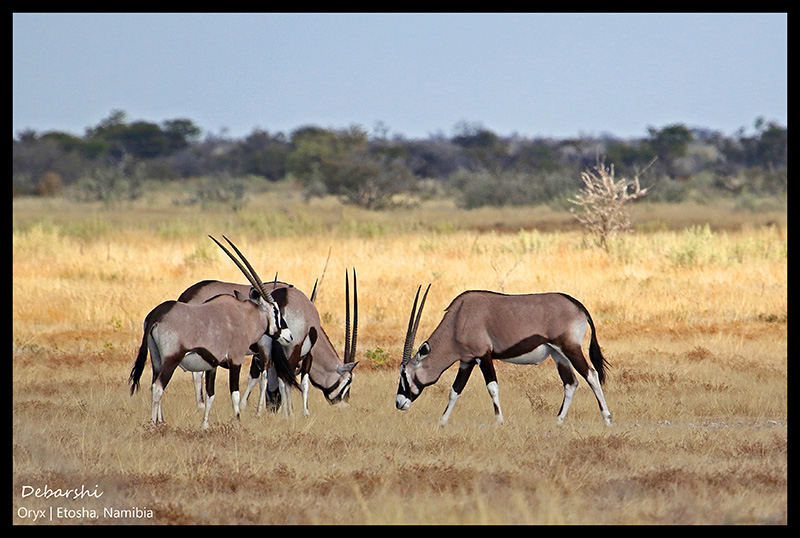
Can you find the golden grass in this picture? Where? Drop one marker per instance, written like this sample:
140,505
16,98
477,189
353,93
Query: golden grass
693,321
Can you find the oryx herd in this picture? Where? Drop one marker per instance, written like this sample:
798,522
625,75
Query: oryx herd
216,324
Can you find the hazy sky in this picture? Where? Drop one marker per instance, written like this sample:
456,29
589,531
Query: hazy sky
558,75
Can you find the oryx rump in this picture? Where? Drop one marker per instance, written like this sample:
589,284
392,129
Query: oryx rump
480,327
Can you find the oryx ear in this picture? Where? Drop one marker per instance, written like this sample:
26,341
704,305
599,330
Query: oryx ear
312,335
252,296
280,296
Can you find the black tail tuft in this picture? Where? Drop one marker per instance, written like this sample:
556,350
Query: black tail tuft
138,366
282,367
598,361
149,323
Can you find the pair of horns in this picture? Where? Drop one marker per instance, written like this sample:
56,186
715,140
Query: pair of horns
413,325
249,272
350,340
349,343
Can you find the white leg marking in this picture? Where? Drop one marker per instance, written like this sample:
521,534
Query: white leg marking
246,396
494,392
155,412
446,415
198,389
304,383
236,401
263,384
594,382
569,390
286,399
209,401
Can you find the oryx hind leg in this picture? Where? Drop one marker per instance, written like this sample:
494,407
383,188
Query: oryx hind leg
256,372
159,385
570,383
574,356
211,377
197,377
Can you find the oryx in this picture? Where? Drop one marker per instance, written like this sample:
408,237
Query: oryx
482,326
218,332
311,353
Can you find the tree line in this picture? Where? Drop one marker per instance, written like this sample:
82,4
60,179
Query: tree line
119,157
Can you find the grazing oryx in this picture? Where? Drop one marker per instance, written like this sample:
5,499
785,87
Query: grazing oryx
310,352
218,332
481,326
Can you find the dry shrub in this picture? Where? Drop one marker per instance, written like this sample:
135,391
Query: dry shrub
605,200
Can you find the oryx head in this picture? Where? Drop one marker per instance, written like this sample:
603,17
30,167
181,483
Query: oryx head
338,391
410,388
276,325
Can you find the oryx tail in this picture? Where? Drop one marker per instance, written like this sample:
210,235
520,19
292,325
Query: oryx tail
595,355
141,358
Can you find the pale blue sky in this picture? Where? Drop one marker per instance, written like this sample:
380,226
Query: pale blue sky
558,75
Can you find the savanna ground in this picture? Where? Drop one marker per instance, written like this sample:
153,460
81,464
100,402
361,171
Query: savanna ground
692,318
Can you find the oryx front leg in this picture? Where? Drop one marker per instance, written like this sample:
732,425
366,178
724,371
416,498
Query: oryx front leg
257,374
286,398
489,375
304,385
464,371
251,382
305,381
234,386
211,377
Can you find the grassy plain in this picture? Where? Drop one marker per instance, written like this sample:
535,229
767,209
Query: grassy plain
692,318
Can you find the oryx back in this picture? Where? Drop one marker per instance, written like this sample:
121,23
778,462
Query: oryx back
513,327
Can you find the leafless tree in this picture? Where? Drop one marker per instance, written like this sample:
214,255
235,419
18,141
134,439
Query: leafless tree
605,201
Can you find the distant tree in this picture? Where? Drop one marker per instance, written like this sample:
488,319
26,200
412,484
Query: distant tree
312,147
367,180
669,144
770,147
180,133
263,154
435,157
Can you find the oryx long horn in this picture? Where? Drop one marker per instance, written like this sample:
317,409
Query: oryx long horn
350,340
413,325
258,280
251,275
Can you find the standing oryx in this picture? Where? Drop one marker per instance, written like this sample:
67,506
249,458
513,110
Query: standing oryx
310,352
481,326
203,336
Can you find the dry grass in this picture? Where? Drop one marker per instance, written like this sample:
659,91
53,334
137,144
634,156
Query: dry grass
693,322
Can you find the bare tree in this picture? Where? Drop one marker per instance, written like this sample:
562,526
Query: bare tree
604,201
